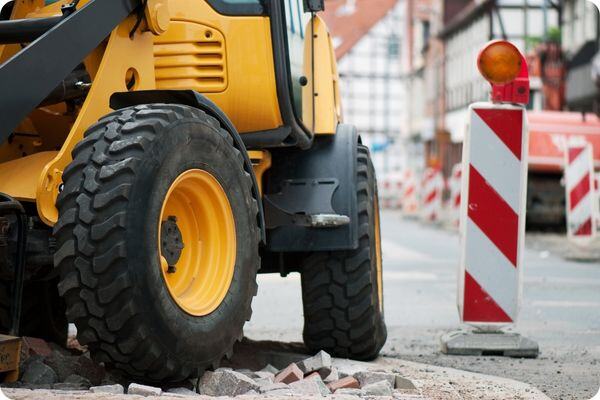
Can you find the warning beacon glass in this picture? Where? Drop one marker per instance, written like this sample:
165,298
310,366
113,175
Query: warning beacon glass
500,62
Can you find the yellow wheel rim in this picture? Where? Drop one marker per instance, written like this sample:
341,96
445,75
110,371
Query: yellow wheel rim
378,257
201,275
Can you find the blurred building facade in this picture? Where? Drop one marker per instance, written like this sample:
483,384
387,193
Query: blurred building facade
367,38
580,42
409,74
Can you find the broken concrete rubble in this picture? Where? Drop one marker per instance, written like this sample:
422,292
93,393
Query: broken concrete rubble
226,383
381,388
143,390
321,363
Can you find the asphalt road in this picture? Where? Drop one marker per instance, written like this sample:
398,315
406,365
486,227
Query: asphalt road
560,310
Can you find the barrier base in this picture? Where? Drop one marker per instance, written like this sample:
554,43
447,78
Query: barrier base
479,343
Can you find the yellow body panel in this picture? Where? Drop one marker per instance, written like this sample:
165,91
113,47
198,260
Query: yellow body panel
324,83
237,70
19,177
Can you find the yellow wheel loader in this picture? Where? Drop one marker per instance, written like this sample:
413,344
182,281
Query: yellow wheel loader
155,155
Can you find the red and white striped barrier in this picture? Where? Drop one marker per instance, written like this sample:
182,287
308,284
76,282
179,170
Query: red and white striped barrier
454,201
493,214
410,203
582,207
597,186
391,190
432,187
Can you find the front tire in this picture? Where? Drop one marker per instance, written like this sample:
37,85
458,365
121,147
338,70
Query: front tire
342,291
129,309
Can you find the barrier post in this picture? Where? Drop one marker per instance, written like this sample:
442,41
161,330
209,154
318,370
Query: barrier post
582,207
492,217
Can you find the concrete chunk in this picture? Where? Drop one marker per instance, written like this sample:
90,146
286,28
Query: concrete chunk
270,368
319,381
290,374
143,390
112,389
226,383
332,377
403,383
182,391
368,377
309,387
320,362
272,386
350,392
381,388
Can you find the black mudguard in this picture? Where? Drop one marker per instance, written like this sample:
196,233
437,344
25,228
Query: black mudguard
320,180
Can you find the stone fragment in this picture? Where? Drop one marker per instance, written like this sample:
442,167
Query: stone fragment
143,390
336,396
112,389
290,374
350,391
332,377
348,382
279,393
381,388
309,387
251,392
182,391
265,375
226,383
34,346
320,362
270,368
263,381
271,387
403,383
368,377
39,373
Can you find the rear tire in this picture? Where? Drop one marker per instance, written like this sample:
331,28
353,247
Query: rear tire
342,290
110,210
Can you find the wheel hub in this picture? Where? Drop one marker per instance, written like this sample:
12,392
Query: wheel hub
171,243
196,211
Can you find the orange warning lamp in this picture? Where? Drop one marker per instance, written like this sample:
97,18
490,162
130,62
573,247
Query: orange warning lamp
505,68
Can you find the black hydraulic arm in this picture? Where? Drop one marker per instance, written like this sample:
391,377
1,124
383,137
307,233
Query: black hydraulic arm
29,76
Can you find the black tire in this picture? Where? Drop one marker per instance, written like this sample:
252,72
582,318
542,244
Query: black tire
42,311
342,311
107,240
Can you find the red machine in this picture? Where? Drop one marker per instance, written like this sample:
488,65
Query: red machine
549,134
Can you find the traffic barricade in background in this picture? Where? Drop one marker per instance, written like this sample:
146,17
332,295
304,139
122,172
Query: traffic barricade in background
390,190
410,199
581,196
432,188
453,204
492,219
